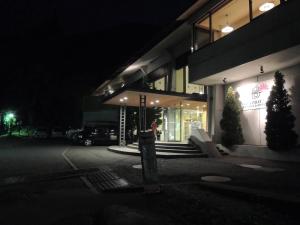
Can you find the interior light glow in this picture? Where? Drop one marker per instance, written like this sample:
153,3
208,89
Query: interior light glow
151,103
125,98
227,29
266,6
157,101
121,100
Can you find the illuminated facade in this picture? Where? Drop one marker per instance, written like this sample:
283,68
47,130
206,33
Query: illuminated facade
215,44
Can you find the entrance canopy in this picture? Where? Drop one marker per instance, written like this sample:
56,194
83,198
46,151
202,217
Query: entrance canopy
132,98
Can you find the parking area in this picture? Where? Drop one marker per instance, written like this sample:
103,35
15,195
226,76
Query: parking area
183,199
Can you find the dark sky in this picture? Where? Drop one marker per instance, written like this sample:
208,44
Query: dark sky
76,16
55,51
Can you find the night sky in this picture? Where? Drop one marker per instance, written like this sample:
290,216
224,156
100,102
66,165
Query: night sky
54,52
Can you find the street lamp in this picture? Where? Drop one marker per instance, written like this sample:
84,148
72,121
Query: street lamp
9,120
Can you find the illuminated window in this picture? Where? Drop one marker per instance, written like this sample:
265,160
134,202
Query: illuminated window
201,33
179,80
261,6
192,88
230,17
160,84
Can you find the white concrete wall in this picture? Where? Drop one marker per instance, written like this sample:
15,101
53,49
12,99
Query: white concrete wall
253,121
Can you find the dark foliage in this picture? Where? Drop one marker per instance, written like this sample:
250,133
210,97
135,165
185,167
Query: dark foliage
231,125
280,120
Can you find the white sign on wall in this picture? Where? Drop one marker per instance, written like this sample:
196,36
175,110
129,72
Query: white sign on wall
254,95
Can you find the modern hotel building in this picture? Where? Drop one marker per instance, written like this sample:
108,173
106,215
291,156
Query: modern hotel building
213,45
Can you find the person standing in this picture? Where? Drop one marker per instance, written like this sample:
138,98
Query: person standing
154,128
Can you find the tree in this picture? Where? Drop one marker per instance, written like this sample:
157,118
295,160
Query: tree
230,123
280,120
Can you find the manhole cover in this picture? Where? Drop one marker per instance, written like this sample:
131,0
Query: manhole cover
261,168
215,179
138,166
251,166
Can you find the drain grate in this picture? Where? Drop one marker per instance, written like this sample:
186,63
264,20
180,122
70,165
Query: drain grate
107,180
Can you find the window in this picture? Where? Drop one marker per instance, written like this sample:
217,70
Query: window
201,34
228,18
179,80
192,88
261,6
160,84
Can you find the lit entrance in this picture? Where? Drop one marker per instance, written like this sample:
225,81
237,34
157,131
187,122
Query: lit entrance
177,122
178,113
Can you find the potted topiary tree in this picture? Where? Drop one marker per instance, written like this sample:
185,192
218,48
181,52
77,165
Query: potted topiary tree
280,120
230,123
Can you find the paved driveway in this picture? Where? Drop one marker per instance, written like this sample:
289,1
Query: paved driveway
70,201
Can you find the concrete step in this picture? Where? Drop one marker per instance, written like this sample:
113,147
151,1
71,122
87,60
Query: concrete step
172,146
166,155
177,150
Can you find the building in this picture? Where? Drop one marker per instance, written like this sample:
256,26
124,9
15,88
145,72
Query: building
213,45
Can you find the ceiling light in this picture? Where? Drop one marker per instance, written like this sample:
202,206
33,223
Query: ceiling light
266,6
125,98
111,91
151,103
227,29
157,101
121,100
188,104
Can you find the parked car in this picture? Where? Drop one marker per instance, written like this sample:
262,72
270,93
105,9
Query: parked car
40,133
72,132
57,133
103,135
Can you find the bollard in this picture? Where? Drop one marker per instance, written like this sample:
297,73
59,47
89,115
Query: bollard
149,163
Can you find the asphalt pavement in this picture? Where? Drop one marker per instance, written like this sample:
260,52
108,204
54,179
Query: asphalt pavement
67,197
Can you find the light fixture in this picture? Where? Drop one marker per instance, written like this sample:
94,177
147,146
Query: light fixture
227,28
125,98
188,104
266,6
157,101
121,100
151,103
110,91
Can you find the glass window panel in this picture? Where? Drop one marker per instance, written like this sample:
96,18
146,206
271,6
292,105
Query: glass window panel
179,79
201,33
192,88
160,84
230,17
261,6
